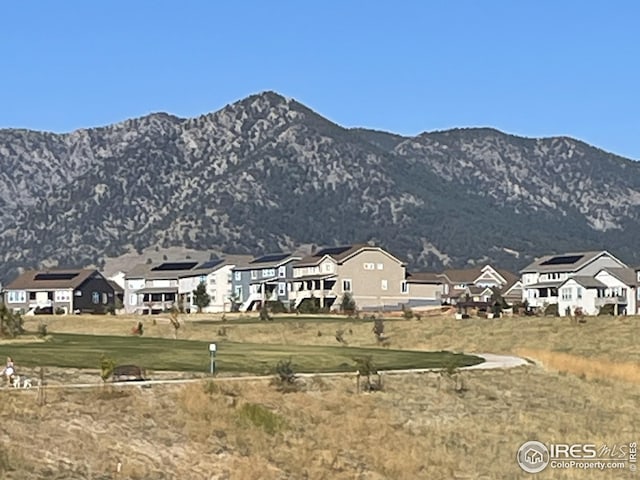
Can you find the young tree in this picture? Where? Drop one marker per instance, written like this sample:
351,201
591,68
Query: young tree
348,304
200,296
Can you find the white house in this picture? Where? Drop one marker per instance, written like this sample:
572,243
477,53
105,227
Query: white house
542,278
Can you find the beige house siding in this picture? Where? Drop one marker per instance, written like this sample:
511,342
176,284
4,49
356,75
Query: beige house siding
420,291
367,271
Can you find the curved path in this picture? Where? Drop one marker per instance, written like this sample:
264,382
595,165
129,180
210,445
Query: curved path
491,361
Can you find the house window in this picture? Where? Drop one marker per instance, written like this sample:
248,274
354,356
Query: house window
254,274
328,267
579,293
62,295
95,297
566,293
268,272
238,276
380,266
282,272
78,293
212,281
203,278
384,285
369,266
239,292
282,289
17,296
105,298
404,287
133,299
346,285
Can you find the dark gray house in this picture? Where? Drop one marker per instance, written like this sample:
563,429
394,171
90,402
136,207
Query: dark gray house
56,290
265,279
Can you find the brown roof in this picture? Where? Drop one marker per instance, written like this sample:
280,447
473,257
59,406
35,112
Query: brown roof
424,277
467,275
625,275
50,279
339,254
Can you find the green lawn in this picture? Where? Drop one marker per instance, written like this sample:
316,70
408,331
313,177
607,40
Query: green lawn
85,351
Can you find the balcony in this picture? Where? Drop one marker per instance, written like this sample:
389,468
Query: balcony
613,300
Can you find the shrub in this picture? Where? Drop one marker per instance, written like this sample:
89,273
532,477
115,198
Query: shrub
378,328
60,311
264,314
11,323
340,337
261,417
310,305
348,304
276,306
407,313
607,309
366,369
42,329
106,367
551,310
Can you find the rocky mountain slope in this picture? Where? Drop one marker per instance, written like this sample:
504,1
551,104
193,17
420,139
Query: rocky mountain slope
266,173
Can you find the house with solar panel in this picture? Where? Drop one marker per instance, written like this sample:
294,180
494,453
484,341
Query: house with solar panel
374,278
153,288
60,290
264,279
218,278
543,279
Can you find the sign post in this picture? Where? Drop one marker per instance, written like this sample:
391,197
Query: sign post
212,353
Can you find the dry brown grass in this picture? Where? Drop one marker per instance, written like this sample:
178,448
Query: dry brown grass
413,429
416,428
591,368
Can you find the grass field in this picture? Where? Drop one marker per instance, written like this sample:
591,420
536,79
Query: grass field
84,351
584,388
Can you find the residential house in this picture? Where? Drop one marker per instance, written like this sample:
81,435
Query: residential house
373,277
218,278
478,284
54,290
542,278
153,288
423,288
614,287
263,279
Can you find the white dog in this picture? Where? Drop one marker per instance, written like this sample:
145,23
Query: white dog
21,382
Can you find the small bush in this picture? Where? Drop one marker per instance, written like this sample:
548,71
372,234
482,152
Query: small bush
42,329
264,315
551,310
253,414
106,367
340,337
276,306
60,311
407,313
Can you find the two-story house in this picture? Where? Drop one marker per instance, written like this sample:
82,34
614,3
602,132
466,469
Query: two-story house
543,277
71,291
373,277
478,284
263,279
153,288
610,287
217,276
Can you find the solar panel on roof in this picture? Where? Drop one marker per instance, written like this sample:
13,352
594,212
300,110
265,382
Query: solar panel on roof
55,276
174,266
332,251
563,260
271,258
210,264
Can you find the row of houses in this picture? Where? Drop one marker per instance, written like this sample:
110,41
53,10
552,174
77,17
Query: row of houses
375,279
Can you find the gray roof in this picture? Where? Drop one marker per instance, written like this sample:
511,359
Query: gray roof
625,275
586,281
208,267
340,254
51,279
424,277
584,259
256,264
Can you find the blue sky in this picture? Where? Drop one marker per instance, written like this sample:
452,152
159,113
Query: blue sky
533,68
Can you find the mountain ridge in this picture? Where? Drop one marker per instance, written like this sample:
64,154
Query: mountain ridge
266,173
